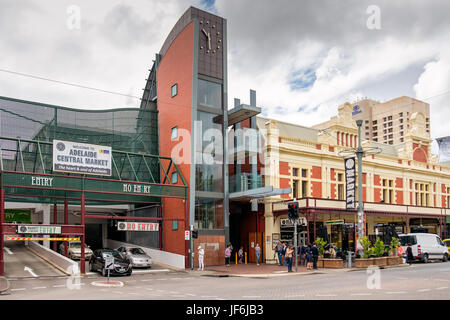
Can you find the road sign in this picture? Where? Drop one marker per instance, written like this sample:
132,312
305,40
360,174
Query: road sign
137,226
109,263
187,235
39,229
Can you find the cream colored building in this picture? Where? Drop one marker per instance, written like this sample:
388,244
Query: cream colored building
404,184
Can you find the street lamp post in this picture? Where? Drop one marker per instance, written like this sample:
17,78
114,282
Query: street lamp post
359,155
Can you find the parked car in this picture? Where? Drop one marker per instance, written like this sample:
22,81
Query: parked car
122,265
74,250
425,246
137,256
447,244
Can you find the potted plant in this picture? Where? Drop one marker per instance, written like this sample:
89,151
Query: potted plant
394,259
378,251
320,245
367,251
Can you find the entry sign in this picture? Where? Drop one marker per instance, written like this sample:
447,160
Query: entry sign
109,263
40,229
74,157
350,183
137,226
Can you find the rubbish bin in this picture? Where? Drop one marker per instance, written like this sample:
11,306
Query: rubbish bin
350,258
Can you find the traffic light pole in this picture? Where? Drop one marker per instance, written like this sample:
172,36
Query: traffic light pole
295,244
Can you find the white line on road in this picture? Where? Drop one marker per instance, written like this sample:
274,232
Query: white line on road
209,296
190,294
295,296
117,292
360,294
8,250
147,279
59,286
30,271
423,290
326,295
149,289
441,288
132,293
18,289
40,288
249,297
396,292
161,279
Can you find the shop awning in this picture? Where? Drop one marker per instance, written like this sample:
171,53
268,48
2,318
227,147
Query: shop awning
251,194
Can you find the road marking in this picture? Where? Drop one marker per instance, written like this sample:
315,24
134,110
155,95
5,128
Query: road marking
249,297
360,294
219,299
8,250
147,279
441,280
295,295
117,292
30,271
18,289
130,281
59,286
149,289
175,278
396,292
441,288
178,296
132,293
40,288
190,294
161,279
210,297
423,290
326,295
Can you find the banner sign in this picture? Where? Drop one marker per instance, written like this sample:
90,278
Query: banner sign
18,215
332,222
444,149
32,229
350,183
137,226
74,157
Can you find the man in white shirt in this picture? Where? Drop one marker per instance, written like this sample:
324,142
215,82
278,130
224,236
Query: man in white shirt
201,253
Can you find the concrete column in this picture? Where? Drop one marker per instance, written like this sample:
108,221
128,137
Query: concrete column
46,221
105,235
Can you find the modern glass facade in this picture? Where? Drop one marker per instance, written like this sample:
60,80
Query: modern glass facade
208,213
209,94
129,130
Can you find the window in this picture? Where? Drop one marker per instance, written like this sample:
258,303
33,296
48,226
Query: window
374,122
209,94
304,173
402,140
401,133
174,90
388,191
174,133
422,194
367,128
375,128
375,134
304,188
340,187
384,119
401,127
208,213
390,130
174,177
295,172
174,225
375,139
390,118
367,121
385,125
391,142
401,120
401,114
384,131
390,124
295,189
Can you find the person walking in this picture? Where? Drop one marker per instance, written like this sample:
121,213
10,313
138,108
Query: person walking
309,258
289,254
303,255
241,254
227,256
279,251
258,253
409,254
315,255
283,253
201,254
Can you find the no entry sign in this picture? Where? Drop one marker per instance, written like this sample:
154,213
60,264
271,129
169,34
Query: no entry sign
137,226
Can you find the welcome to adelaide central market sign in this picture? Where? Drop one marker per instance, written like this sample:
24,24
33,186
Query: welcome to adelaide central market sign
75,157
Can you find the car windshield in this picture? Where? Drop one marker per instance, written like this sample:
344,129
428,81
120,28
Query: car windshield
114,254
136,251
404,240
75,245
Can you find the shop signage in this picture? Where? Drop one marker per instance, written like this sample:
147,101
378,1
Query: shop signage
39,229
18,215
350,183
74,157
137,226
334,222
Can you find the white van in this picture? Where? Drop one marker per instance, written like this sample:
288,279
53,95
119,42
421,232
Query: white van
425,246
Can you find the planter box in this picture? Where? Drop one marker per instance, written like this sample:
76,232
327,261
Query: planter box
320,263
365,263
381,261
333,263
394,260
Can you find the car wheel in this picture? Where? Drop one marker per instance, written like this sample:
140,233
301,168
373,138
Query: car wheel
445,258
425,258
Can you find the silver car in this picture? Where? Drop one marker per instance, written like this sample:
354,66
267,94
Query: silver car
137,256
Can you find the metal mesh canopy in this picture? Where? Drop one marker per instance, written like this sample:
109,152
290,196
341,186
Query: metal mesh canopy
27,130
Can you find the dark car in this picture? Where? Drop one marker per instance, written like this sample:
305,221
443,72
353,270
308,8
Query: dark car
122,265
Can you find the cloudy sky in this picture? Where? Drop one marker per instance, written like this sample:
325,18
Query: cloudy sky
303,58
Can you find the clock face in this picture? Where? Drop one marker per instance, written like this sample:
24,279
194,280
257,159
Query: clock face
210,37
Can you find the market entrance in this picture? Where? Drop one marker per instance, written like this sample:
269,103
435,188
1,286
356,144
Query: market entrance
26,176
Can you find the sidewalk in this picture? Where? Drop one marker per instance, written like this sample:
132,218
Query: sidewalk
268,270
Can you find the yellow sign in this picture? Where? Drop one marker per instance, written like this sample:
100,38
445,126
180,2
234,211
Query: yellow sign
335,222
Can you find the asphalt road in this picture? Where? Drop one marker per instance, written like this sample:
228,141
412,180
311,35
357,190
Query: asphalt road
420,281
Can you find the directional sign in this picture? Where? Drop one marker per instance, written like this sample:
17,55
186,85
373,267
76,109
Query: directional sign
109,263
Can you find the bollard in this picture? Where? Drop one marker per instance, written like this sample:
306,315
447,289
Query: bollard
246,258
349,260
236,258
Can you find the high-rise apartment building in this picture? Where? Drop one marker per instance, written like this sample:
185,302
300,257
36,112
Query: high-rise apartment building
388,122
